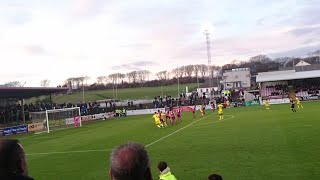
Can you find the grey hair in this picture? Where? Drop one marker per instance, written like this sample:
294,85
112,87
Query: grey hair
130,161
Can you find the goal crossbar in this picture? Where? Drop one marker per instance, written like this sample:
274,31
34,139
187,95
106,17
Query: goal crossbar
61,110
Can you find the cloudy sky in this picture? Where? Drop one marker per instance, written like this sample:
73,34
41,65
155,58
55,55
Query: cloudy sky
42,39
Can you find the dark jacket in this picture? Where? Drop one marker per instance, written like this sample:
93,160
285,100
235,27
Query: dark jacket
15,177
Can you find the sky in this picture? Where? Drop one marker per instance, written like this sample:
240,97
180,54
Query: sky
55,40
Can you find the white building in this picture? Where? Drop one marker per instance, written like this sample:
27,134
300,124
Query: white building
236,78
208,91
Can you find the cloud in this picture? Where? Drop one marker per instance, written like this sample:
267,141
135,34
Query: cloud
260,21
15,13
297,52
136,45
100,35
85,7
304,31
306,14
137,65
35,49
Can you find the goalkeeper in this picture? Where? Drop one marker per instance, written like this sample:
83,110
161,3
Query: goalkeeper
45,124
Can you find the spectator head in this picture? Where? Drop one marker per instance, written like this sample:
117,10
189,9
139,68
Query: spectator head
130,161
162,166
12,158
215,177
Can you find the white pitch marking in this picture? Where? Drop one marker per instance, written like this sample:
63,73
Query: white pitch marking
164,137
67,152
232,116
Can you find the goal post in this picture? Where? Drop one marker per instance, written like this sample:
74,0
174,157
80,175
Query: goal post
46,121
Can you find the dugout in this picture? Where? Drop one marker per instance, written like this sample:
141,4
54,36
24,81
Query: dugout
280,86
16,95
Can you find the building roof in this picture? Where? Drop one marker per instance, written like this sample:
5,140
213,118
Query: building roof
28,92
303,63
311,67
286,75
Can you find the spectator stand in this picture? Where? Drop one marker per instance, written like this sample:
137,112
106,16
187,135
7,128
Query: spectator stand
13,110
280,86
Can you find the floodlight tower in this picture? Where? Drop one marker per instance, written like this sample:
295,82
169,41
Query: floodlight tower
207,34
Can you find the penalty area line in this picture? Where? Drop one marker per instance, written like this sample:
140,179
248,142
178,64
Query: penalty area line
232,116
174,132
67,152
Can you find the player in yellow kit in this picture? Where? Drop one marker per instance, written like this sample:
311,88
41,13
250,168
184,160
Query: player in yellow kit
298,103
157,120
228,103
202,110
267,104
220,111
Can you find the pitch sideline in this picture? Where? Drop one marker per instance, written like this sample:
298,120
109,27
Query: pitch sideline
67,152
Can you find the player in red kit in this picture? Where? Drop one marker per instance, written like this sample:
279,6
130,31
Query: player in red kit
173,117
168,116
194,112
179,114
213,106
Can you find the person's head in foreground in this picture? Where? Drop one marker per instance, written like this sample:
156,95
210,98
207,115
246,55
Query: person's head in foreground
165,173
13,165
215,177
130,161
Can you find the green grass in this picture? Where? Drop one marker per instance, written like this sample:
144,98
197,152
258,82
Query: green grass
127,93
252,143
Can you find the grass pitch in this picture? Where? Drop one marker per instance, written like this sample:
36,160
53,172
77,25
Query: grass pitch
252,143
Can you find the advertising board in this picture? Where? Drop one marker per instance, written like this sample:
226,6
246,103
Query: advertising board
15,130
35,127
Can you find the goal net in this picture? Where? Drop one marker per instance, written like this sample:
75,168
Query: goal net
49,120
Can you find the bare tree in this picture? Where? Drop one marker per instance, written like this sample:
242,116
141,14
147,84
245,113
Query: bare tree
197,69
143,75
175,72
71,80
317,55
129,77
181,71
166,75
203,70
133,75
283,61
45,83
163,75
189,70
160,75
101,79
121,77
86,78
79,81
113,78
147,74
12,84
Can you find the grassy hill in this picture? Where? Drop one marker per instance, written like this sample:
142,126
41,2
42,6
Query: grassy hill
128,93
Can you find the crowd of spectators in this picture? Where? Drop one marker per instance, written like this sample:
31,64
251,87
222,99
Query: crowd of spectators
183,99
277,90
311,89
13,113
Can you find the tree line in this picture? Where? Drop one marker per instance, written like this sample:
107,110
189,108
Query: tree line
185,74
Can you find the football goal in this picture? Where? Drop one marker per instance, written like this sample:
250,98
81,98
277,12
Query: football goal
46,121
